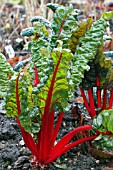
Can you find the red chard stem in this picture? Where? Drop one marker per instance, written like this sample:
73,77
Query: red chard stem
36,81
69,136
67,147
85,100
111,100
58,124
92,105
61,28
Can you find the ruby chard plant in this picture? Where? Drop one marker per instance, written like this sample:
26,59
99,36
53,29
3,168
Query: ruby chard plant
97,91
98,81
41,92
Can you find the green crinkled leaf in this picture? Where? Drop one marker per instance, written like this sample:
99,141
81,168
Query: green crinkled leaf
92,42
42,20
63,25
21,64
110,122
27,31
105,115
107,15
44,64
40,31
6,72
98,138
103,142
30,115
10,101
60,89
99,119
19,102
80,32
52,6
30,120
41,56
104,121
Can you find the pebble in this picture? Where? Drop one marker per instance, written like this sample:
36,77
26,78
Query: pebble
25,166
20,161
75,159
97,161
2,146
9,167
64,124
3,142
2,111
25,151
21,143
65,159
70,161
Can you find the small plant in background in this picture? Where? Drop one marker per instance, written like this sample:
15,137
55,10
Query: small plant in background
97,82
102,125
41,92
97,91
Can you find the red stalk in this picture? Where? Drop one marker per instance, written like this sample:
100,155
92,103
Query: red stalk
36,75
43,132
45,121
50,133
104,99
44,136
68,137
61,28
48,101
9,76
103,133
50,129
97,81
58,124
29,141
99,97
92,106
38,138
98,92
85,101
66,148
111,100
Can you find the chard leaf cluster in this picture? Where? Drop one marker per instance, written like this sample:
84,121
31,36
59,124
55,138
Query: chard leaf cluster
103,121
103,124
